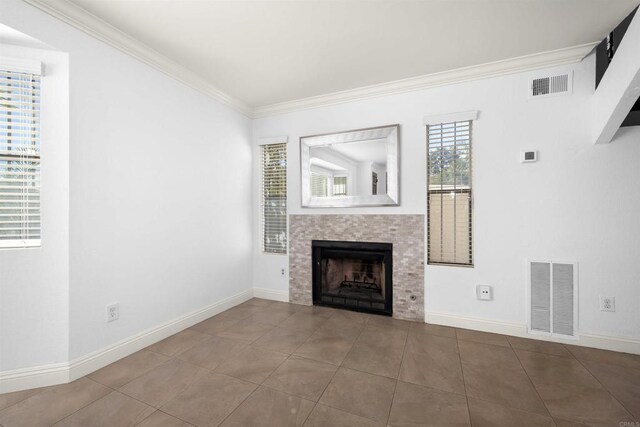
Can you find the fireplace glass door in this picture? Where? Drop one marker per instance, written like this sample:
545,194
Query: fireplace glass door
353,275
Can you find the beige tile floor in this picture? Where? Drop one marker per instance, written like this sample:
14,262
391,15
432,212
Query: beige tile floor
266,363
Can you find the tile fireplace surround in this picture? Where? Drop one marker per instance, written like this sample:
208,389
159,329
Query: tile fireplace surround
405,232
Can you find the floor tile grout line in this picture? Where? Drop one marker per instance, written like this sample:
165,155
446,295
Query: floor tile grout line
144,373
336,372
147,417
542,352
353,343
277,367
395,385
314,332
604,387
309,414
258,385
419,353
239,405
90,403
28,397
135,377
194,379
531,381
523,369
146,403
346,411
173,416
464,381
516,409
317,402
289,393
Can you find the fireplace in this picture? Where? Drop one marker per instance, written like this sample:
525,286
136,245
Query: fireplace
353,275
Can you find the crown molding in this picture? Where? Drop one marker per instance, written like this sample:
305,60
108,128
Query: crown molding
96,27
81,19
476,72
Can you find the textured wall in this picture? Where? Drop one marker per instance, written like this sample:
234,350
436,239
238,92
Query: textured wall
405,232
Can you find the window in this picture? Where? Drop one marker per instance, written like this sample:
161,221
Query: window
19,159
449,210
374,183
340,186
319,184
274,198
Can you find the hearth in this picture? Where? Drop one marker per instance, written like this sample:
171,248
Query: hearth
353,275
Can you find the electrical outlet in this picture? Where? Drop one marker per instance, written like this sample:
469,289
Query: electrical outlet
607,303
282,273
113,312
483,292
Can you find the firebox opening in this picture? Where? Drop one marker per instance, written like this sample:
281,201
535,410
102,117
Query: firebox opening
352,275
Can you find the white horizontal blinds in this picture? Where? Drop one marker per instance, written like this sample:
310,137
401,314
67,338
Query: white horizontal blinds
340,186
19,159
318,185
274,198
449,211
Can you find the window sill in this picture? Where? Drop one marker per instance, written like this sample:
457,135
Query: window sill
450,264
19,244
274,253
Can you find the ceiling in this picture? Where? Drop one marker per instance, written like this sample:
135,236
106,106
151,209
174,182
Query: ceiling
364,151
267,52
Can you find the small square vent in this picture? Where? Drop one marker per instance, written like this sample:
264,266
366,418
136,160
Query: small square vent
529,156
545,86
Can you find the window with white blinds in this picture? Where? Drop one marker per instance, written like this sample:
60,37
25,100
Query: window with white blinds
449,194
19,159
339,185
319,184
274,198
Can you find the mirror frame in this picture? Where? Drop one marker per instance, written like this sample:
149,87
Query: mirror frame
392,198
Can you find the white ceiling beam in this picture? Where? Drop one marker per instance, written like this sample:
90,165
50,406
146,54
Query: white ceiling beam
619,89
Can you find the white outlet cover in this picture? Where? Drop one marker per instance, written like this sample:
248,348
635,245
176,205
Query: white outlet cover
484,292
113,312
607,303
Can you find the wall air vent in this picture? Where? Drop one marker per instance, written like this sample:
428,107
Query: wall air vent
545,86
552,298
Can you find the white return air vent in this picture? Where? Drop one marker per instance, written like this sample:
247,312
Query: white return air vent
552,298
546,86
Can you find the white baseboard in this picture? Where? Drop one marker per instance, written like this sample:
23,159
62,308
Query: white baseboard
271,294
585,339
475,323
37,376
46,375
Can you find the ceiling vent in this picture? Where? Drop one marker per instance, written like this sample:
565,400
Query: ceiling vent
552,298
545,86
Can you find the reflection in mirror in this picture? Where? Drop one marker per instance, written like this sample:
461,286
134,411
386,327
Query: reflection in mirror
353,168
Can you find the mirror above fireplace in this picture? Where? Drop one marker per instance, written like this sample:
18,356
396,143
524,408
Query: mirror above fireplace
351,168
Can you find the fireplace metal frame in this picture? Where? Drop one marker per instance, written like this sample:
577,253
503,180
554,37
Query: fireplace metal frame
317,249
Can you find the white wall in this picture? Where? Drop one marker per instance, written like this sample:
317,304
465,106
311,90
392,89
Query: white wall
579,202
160,197
161,219
34,282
